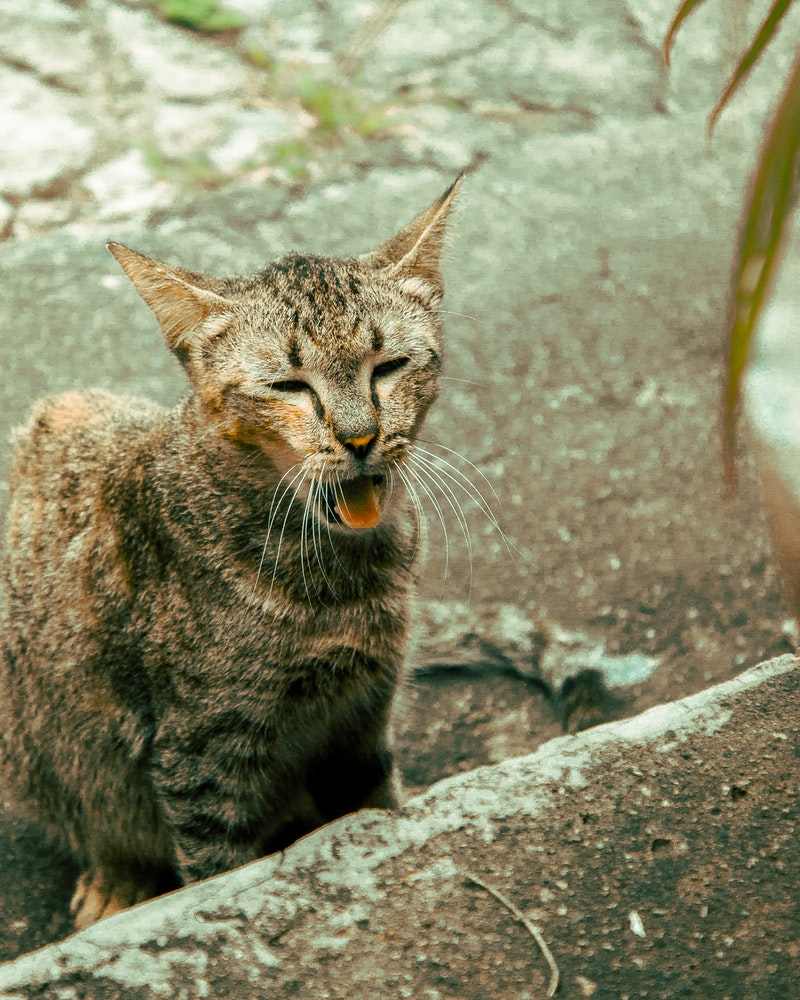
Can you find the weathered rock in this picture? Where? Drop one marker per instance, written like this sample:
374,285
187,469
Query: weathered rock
230,140
657,856
43,134
48,38
125,186
426,36
587,64
502,638
171,64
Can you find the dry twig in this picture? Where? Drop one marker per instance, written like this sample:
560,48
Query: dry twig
531,928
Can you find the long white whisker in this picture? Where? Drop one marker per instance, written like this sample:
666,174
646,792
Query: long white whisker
341,566
301,475
419,513
410,472
437,479
463,482
316,535
461,458
450,312
273,510
316,531
307,512
278,500
459,480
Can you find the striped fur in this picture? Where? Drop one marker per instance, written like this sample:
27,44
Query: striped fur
199,649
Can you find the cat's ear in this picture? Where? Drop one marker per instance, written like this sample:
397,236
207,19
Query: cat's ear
180,303
414,253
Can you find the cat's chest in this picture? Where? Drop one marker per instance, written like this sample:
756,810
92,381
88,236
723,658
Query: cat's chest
223,621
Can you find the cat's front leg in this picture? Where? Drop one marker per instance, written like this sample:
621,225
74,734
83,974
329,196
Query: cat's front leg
355,774
224,804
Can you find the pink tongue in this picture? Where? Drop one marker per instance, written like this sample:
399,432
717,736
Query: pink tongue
357,503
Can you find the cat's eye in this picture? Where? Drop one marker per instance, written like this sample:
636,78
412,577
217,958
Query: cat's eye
290,385
389,367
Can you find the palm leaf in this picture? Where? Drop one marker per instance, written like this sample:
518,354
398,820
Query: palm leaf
773,193
751,57
685,9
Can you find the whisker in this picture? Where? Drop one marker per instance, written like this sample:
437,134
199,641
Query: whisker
459,479
438,480
450,312
316,534
341,566
420,517
421,541
461,458
304,537
405,474
301,475
273,510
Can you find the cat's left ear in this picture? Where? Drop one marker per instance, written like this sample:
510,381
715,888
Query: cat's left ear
182,306
413,255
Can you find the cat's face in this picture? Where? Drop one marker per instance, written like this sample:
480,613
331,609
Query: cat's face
327,367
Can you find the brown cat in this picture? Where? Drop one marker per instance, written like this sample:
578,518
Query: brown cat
207,607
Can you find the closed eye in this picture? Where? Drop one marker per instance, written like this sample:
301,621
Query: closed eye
290,385
389,367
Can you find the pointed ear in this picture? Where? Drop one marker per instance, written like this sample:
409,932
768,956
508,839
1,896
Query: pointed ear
181,305
414,253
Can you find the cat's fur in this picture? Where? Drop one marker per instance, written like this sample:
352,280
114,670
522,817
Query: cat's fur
207,607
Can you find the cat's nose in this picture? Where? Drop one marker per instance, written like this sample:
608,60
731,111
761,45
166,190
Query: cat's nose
360,446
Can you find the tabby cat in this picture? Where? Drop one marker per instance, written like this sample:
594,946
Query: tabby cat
207,607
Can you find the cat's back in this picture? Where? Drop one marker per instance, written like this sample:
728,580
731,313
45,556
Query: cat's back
60,458
72,423
75,433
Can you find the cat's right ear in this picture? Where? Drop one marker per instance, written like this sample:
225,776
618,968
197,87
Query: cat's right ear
185,311
413,255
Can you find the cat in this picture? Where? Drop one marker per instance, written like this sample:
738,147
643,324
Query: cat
207,608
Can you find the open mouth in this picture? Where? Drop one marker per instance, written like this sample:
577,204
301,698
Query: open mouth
355,503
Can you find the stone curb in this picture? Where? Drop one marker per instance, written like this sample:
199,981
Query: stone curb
154,945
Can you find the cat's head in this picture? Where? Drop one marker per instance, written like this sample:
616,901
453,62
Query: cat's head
325,366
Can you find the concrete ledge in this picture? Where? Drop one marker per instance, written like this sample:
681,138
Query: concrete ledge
658,856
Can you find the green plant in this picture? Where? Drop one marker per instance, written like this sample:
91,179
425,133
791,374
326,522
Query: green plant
196,171
771,200
339,113
293,156
207,16
337,109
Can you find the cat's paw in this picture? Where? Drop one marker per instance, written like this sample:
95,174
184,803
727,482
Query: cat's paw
96,896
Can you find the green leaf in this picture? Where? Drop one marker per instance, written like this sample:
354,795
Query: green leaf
199,15
773,193
685,9
750,58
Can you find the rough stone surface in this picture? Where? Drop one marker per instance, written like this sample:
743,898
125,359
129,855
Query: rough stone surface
657,855
587,276
176,66
46,38
42,136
